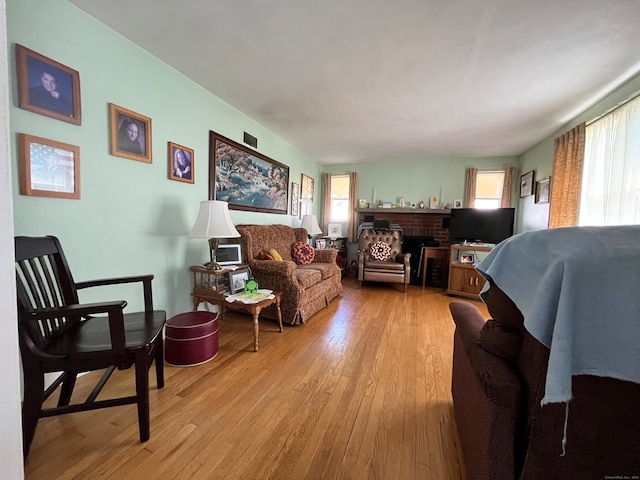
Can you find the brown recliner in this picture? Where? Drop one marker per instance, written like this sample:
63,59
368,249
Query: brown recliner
380,263
498,382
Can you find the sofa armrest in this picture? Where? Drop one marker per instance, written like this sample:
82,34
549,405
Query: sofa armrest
497,377
270,267
404,258
326,255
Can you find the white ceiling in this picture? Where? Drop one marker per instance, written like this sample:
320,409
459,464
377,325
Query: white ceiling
368,80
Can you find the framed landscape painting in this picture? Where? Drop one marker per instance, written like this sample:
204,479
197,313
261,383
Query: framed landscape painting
246,179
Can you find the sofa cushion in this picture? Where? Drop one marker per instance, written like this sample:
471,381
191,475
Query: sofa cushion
308,276
303,253
500,340
380,251
326,269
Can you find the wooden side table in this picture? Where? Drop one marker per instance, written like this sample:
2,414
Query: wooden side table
437,253
206,289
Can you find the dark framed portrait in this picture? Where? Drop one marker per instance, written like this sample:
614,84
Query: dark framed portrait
542,190
246,179
47,87
526,184
181,163
48,168
130,134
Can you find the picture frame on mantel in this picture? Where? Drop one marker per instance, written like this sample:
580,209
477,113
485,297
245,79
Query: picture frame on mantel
526,184
245,179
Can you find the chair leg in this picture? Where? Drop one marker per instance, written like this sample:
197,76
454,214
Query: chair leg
31,406
159,359
142,393
67,388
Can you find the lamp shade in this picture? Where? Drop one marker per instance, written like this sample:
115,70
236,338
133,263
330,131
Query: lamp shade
310,224
213,221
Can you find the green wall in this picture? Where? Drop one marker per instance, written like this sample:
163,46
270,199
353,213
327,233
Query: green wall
131,218
417,179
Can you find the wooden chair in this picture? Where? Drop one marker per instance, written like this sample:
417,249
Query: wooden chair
58,334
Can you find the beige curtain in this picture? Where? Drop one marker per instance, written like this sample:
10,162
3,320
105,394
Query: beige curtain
352,225
326,208
566,178
470,188
507,187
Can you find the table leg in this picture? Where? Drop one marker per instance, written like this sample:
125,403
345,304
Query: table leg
256,328
279,312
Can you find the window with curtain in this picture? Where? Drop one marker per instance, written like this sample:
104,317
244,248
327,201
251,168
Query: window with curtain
489,188
610,193
339,195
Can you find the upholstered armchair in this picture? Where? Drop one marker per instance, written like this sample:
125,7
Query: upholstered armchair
380,258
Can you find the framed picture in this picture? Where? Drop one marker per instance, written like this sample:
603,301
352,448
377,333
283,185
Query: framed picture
307,188
47,87
305,208
457,204
295,198
335,230
321,243
466,258
48,168
181,163
247,180
434,202
130,134
229,254
526,184
237,279
542,190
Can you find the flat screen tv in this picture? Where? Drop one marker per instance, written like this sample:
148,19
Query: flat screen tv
481,225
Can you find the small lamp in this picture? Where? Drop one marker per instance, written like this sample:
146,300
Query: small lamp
310,224
213,222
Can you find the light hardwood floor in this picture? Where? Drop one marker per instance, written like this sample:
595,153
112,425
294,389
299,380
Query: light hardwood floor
361,391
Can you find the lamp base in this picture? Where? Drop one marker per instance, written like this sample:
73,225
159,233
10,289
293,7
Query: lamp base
213,265
214,243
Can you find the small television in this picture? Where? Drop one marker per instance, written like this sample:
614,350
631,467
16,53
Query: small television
481,225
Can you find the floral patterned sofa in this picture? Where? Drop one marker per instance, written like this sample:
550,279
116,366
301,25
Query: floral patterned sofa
305,288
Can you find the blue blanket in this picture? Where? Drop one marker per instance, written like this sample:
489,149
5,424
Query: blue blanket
578,289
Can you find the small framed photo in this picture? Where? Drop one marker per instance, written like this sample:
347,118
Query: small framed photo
237,279
526,184
307,188
229,254
295,198
130,134
180,163
335,230
48,168
457,204
542,190
47,87
467,258
321,243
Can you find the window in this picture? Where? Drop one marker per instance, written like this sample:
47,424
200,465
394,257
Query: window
489,186
339,198
610,192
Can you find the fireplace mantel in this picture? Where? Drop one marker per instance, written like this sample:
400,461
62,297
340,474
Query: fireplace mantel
419,211
415,222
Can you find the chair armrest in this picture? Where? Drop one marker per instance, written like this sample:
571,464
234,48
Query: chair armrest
326,255
115,317
146,285
404,258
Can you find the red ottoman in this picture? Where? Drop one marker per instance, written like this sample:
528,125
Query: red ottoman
191,338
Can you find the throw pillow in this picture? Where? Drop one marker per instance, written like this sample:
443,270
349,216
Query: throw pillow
275,255
303,253
264,256
380,251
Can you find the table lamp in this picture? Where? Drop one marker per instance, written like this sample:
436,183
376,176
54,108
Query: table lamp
213,222
310,224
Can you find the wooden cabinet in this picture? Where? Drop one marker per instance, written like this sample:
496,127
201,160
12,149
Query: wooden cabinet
464,280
